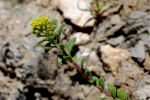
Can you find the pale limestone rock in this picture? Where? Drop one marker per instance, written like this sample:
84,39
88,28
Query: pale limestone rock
116,20
94,64
81,38
142,93
72,12
112,56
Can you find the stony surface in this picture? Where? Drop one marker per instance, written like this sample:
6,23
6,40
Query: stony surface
117,48
108,28
129,73
142,93
112,57
9,86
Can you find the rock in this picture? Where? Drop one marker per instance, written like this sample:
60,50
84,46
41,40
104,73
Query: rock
94,94
9,85
129,76
116,41
72,12
109,78
63,85
137,14
110,7
147,62
142,93
116,20
112,56
8,4
81,38
137,22
44,3
84,52
17,96
94,64
94,59
107,29
148,44
134,5
2,97
2,5
138,51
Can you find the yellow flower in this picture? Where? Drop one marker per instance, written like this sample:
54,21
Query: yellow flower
41,25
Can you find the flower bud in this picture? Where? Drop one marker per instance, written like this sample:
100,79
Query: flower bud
44,38
43,27
50,32
44,32
37,32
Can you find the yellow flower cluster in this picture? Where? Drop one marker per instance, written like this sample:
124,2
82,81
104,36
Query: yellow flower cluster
42,26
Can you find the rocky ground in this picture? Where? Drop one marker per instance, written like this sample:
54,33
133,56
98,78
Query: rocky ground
117,47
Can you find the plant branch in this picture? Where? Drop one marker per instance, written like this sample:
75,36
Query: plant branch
81,71
89,78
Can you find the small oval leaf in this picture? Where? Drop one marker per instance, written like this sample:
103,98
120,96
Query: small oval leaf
121,94
70,45
112,90
75,58
101,82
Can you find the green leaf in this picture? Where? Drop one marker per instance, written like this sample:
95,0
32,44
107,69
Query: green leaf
101,82
69,58
70,45
51,37
92,81
75,58
101,98
121,94
112,90
39,43
82,62
59,32
89,74
60,58
85,70
95,80
54,22
108,99
97,6
62,47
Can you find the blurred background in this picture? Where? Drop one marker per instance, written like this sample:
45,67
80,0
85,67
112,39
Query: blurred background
115,40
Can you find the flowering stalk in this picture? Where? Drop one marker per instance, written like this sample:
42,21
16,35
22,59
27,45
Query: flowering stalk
46,30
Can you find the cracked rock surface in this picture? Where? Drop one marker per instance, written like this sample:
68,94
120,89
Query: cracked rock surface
117,48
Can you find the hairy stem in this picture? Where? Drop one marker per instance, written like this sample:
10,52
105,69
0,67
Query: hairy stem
89,78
